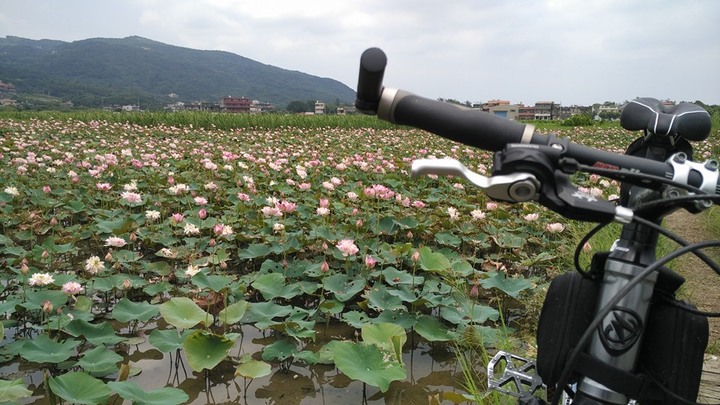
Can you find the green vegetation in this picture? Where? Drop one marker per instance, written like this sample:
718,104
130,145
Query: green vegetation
101,72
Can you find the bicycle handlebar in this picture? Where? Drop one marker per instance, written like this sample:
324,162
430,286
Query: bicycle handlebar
489,132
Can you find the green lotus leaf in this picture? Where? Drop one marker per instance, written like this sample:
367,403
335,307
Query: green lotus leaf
279,350
262,314
167,340
100,334
42,349
367,363
184,313
254,251
36,299
211,282
394,276
273,286
432,329
433,261
132,392
126,311
387,336
99,361
205,350
448,239
12,391
253,369
79,388
510,286
232,313
379,299
343,286
400,317
356,319
468,313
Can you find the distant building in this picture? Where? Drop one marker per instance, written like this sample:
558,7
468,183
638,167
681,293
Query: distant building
526,113
235,104
509,111
319,108
486,106
546,110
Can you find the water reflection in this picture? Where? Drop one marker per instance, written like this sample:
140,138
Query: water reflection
431,369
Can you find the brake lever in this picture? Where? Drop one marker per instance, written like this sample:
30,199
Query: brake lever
514,187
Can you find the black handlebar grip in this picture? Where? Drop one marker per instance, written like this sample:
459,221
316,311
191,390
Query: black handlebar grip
467,126
370,78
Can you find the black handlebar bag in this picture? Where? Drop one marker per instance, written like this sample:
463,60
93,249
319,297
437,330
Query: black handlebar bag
673,347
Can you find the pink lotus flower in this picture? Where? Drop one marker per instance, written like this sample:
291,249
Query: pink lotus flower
286,206
322,211
271,212
103,186
200,200
46,189
418,204
72,288
347,247
324,202
177,217
555,227
243,197
370,262
131,197
532,217
491,206
304,186
202,213
114,241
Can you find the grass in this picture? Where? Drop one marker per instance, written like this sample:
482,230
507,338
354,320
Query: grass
208,120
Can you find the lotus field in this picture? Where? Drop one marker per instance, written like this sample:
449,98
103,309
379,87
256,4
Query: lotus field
184,241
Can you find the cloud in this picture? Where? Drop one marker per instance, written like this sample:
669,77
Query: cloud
526,50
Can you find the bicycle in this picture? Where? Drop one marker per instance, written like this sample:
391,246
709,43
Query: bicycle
601,334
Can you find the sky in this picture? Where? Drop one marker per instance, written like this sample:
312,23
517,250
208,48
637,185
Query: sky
573,52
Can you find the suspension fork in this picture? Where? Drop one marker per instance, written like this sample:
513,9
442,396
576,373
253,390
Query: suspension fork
618,339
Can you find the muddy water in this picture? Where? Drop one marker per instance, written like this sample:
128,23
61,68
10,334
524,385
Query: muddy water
431,369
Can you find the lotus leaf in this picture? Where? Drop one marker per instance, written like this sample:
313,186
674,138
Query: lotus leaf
42,349
367,363
12,391
184,313
126,311
205,350
253,369
79,388
132,392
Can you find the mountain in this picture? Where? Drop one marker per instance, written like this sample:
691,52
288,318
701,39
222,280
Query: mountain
106,71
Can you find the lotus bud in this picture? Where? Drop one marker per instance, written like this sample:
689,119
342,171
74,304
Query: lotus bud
223,265
415,256
212,242
45,254
108,256
474,291
24,269
324,267
202,213
47,307
133,237
324,246
358,223
410,235
126,284
53,221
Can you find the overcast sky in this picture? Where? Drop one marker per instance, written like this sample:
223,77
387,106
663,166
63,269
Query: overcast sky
568,51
